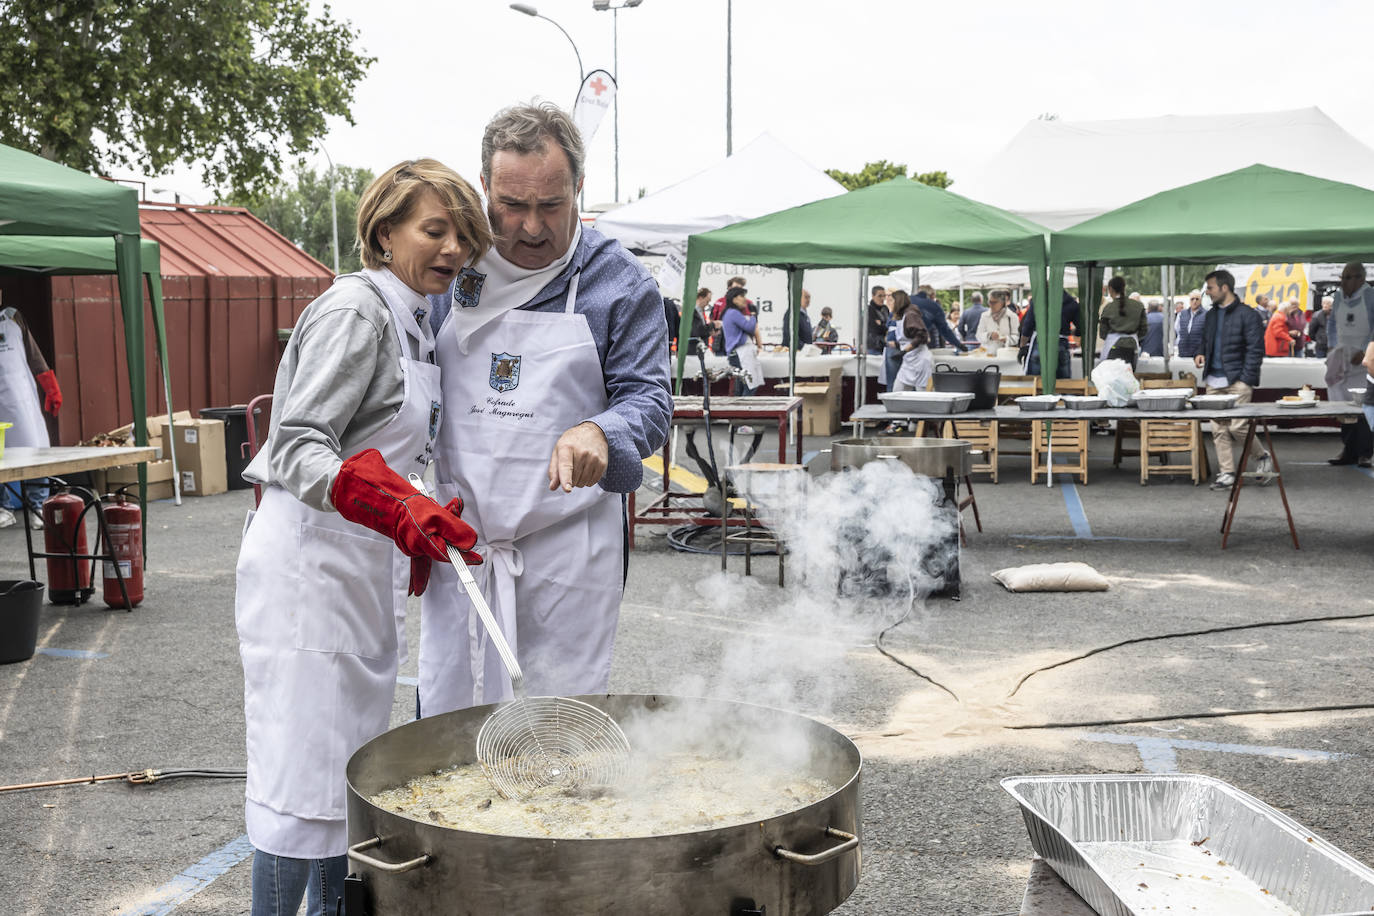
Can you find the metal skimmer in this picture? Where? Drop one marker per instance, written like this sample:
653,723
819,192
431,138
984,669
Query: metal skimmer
534,742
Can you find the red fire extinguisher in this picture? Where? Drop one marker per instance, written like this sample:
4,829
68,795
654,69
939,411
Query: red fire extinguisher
64,531
124,524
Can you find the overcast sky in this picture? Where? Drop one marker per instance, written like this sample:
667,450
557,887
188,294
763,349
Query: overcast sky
931,85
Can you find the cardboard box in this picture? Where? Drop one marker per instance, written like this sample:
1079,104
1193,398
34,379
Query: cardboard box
821,405
159,479
125,434
199,448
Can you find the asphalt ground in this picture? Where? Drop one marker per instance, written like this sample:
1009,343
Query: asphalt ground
940,835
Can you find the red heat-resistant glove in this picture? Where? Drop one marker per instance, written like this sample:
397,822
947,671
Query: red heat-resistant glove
52,395
371,494
420,566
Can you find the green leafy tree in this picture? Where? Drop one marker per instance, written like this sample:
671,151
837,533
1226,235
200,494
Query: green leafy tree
876,172
144,85
299,210
1145,280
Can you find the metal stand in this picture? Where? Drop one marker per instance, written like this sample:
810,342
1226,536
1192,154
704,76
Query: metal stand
102,535
754,533
1234,501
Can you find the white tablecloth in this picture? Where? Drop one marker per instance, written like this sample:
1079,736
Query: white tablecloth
1286,372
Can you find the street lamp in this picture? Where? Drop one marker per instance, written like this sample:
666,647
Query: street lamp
531,11
601,6
333,210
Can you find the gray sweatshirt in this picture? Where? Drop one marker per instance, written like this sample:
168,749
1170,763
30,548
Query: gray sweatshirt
339,382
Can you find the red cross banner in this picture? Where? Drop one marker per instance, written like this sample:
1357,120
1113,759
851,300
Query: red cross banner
593,101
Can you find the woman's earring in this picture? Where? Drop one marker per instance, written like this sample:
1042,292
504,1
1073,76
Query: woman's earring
386,255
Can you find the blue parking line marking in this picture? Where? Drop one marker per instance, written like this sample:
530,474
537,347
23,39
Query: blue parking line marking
407,680
70,653
194,879
1074,504
1102,537
1159,755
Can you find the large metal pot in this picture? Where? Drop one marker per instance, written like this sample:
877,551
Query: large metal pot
926,457
805,861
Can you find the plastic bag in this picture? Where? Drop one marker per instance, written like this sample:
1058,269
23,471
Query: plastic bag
1115,381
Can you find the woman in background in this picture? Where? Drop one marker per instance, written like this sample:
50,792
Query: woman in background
740,329
1122,324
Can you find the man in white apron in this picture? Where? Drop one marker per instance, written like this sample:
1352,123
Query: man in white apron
555,387
1348,331
22,371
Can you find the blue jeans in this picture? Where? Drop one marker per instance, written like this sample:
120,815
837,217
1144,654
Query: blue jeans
36,490
742,390
1062,370
280,882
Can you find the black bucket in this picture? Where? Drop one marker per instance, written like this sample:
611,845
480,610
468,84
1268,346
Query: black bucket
235,441
20,604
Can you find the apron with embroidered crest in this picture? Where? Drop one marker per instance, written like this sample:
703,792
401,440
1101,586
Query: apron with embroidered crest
553,562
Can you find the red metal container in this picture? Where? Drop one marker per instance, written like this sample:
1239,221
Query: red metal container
124,538
64,531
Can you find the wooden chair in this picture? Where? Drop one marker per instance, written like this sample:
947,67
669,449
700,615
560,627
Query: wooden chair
1059,437
1074,386
1015,386
1130,429
982,436
1166,438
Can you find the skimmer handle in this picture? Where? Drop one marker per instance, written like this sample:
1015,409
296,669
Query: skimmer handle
498,639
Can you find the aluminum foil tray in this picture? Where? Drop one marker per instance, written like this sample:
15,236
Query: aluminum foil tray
1168,401
1214,401
926,401
1084,401
1132,845
1038,402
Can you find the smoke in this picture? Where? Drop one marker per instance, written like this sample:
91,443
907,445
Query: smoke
864,548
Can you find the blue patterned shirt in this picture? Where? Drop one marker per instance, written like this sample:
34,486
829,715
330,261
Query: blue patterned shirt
624,311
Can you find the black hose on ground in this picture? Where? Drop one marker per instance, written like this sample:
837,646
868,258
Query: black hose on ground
1342,707
1206,632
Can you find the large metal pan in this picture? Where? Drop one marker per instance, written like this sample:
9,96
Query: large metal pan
926,457
802,862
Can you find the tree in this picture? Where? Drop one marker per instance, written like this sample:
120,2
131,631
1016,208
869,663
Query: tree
1145,280
300,211
882,170
146,85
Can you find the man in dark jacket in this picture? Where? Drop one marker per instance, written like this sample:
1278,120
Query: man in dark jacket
968,322
937,327
1232,350
1070,315
875,323
805,335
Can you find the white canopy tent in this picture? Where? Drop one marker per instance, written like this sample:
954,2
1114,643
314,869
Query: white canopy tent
761,178
1059,173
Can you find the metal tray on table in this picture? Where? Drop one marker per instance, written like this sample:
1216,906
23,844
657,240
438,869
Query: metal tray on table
1132,845
926,401
1165,399
1038,402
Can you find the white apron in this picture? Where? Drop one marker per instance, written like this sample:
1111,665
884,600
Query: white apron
1112,338
316,614
18,391
748,354
553,562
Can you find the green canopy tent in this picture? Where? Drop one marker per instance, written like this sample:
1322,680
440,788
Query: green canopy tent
1254,214
42,198
899,223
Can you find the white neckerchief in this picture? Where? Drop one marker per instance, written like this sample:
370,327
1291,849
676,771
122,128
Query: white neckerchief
408,307
504,287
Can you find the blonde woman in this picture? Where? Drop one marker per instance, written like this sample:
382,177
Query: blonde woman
356,407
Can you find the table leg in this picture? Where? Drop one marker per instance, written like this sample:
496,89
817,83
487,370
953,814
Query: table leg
28,531
1283,494
788,417
1234,499
782,438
